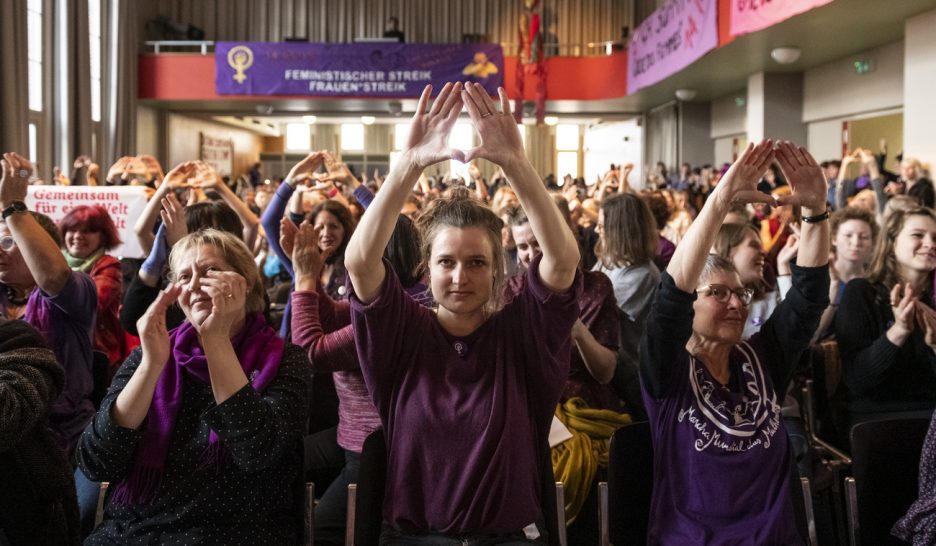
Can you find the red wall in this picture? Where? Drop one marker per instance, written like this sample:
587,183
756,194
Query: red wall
187,76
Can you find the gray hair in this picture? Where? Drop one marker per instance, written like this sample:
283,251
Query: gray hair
716,264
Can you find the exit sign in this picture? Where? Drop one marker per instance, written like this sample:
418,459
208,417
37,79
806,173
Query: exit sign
863,66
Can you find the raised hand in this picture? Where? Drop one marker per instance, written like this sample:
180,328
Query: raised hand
173,218
154,336
500,138
206,178
925,318
739,184
152,166
430,129
903,308
179,176
338,171
118,169
303,171
787,253
804,175
288,232
16,172
307,257
228,293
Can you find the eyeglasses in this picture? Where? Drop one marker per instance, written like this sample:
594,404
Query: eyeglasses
7,243
722,293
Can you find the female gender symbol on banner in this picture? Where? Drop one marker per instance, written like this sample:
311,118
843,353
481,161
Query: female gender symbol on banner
240,58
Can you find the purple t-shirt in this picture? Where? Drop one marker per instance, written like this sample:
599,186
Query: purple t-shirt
466,418
722,460
66,321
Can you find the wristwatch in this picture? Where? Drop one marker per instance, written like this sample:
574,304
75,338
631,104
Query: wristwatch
15,206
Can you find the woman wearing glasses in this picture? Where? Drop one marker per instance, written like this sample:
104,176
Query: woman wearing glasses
722,458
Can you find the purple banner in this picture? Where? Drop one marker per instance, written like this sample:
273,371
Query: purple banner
352,70
672,38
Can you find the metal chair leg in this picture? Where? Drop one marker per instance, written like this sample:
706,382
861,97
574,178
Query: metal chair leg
810,514
604,523
349,520
99,512
560,513
308,514
851,510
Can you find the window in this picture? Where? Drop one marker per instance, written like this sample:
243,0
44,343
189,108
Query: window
462,138
298,137
34,53
94,38
33,143
567,150
401,133
352,136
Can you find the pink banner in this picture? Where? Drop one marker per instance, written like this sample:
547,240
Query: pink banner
672,38
752,15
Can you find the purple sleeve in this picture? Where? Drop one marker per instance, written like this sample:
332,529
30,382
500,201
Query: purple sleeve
364,196
545,320
386,332
271,223
78,299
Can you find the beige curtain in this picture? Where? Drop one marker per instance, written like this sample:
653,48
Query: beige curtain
71,81
119,93
571,23
14,92
662,137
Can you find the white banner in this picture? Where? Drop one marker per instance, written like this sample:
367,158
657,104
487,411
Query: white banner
124,203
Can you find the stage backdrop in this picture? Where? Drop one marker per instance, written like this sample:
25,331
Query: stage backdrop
124,203
352,70
672,38
751,15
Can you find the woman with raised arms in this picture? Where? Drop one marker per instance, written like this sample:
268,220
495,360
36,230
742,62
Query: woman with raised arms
465,393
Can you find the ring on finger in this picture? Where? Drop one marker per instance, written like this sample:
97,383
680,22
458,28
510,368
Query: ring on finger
486,114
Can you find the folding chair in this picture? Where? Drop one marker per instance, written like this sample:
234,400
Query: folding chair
630,485
365,498
886,464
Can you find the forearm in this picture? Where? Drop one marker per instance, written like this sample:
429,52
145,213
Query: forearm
560,249
144,225
42,256
691,253
599,360
247,217
271,223
227,376
814,242
363,256
133,402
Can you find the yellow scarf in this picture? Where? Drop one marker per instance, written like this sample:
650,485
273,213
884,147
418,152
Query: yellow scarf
576,461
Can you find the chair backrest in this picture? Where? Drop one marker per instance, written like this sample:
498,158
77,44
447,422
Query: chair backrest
630,484
885,464
371,486
100,376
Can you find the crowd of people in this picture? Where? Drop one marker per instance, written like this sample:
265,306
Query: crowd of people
491,328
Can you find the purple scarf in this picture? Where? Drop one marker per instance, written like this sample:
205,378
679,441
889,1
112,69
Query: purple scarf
259,351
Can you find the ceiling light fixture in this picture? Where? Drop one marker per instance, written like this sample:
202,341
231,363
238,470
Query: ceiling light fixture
309,120
368,120
685,95
551,120
786,54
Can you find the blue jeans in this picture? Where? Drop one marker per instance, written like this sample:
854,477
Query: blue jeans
88,493
332,509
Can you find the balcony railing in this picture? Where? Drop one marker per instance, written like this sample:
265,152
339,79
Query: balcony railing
590,49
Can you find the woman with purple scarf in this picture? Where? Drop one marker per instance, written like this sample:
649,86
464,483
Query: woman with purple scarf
198,435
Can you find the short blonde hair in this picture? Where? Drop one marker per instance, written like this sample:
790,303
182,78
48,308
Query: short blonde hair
235,253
